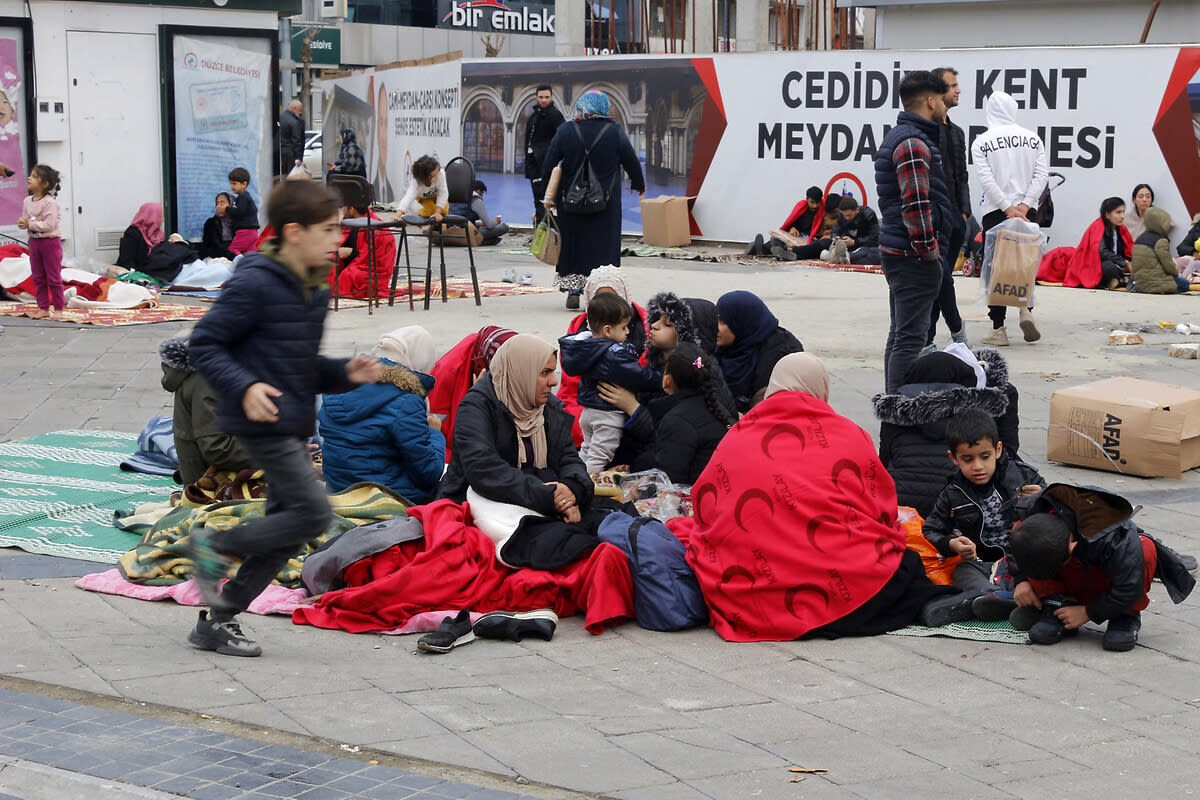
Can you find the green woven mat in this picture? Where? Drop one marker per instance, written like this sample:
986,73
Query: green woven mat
58,492
975,630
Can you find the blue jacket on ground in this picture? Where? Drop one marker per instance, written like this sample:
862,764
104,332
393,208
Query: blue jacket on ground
266,326
380,433
592,360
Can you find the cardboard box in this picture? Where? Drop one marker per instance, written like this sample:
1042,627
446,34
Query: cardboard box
665,221
1126,425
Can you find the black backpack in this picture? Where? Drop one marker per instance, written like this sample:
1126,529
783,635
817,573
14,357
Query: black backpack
585,194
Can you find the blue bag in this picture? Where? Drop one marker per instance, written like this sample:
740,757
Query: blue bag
666,593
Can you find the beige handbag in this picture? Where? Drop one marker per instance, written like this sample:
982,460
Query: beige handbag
552,243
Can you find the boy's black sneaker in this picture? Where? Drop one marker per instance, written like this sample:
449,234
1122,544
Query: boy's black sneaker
1122,632
515,625
1023,617
992,608
224,637
944,610
450,634
1047,629
208,568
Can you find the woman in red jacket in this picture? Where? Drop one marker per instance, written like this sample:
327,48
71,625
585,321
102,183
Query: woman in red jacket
1102,258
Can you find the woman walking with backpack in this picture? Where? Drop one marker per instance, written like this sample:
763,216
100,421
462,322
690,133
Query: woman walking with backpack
592,151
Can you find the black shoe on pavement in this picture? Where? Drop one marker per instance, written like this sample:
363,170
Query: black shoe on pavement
1122,632
224,637
944,610
1023,617
756,248
991,608
515,625
783,253
453,631
573,301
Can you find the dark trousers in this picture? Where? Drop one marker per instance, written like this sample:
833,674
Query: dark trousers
974,577
539,191
990,220
297,510
946,304
913,286
812,250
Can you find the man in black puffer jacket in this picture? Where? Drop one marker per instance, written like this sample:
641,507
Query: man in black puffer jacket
539,131
915,205
259,348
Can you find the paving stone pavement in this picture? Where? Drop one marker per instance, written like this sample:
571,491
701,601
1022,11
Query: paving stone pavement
641,715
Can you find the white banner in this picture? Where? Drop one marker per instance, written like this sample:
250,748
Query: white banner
800,119
221,122
398,115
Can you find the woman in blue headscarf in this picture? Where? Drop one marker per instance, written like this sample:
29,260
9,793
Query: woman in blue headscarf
750,341
590,240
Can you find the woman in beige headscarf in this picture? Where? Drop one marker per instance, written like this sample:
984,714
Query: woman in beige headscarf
800,372
513,457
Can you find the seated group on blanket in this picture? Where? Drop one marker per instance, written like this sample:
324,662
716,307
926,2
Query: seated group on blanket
834,228
795,528
1129,249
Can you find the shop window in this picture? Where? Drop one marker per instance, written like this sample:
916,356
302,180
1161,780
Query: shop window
483,136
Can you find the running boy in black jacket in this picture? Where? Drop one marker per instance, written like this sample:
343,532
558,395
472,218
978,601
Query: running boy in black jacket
974,515
258,347
1080,558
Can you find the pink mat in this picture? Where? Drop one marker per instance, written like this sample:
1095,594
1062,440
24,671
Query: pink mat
274,599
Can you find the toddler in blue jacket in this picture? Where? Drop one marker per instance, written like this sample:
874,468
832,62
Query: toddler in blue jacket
600,354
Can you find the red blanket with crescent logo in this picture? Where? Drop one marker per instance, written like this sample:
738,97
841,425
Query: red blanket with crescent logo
795,522
455,566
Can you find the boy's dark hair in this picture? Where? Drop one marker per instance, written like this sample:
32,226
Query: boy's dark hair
970,427
239,174
919,84
50,176
544,87
607,309
682,367
304,202
1110,205
848,203
478,186
832,203
423,167
1040,545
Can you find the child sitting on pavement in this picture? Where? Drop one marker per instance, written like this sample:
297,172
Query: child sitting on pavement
601,354
973,516
1080,558
258,347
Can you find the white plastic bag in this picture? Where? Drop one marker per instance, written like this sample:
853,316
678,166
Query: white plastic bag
1025,230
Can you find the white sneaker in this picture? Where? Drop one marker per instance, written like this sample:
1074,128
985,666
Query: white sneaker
510,276
525,280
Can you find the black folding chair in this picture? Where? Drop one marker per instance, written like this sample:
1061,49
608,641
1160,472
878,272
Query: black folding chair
459,176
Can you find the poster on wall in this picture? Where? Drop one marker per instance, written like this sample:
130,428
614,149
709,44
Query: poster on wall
748,133
12,152
222,96
396,115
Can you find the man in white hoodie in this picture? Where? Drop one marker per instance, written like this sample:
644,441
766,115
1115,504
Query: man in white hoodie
1011,163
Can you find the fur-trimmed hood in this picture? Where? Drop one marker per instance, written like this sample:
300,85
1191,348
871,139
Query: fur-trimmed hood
926,404
176,362
370,399
695,321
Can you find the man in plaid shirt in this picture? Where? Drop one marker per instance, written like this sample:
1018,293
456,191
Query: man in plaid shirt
917,216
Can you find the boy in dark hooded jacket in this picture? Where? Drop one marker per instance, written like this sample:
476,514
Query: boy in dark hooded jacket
1079,557
199,440
600,354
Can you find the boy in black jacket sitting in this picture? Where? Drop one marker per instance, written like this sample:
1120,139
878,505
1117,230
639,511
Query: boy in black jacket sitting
974,515
258,347
600,354
1080,558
